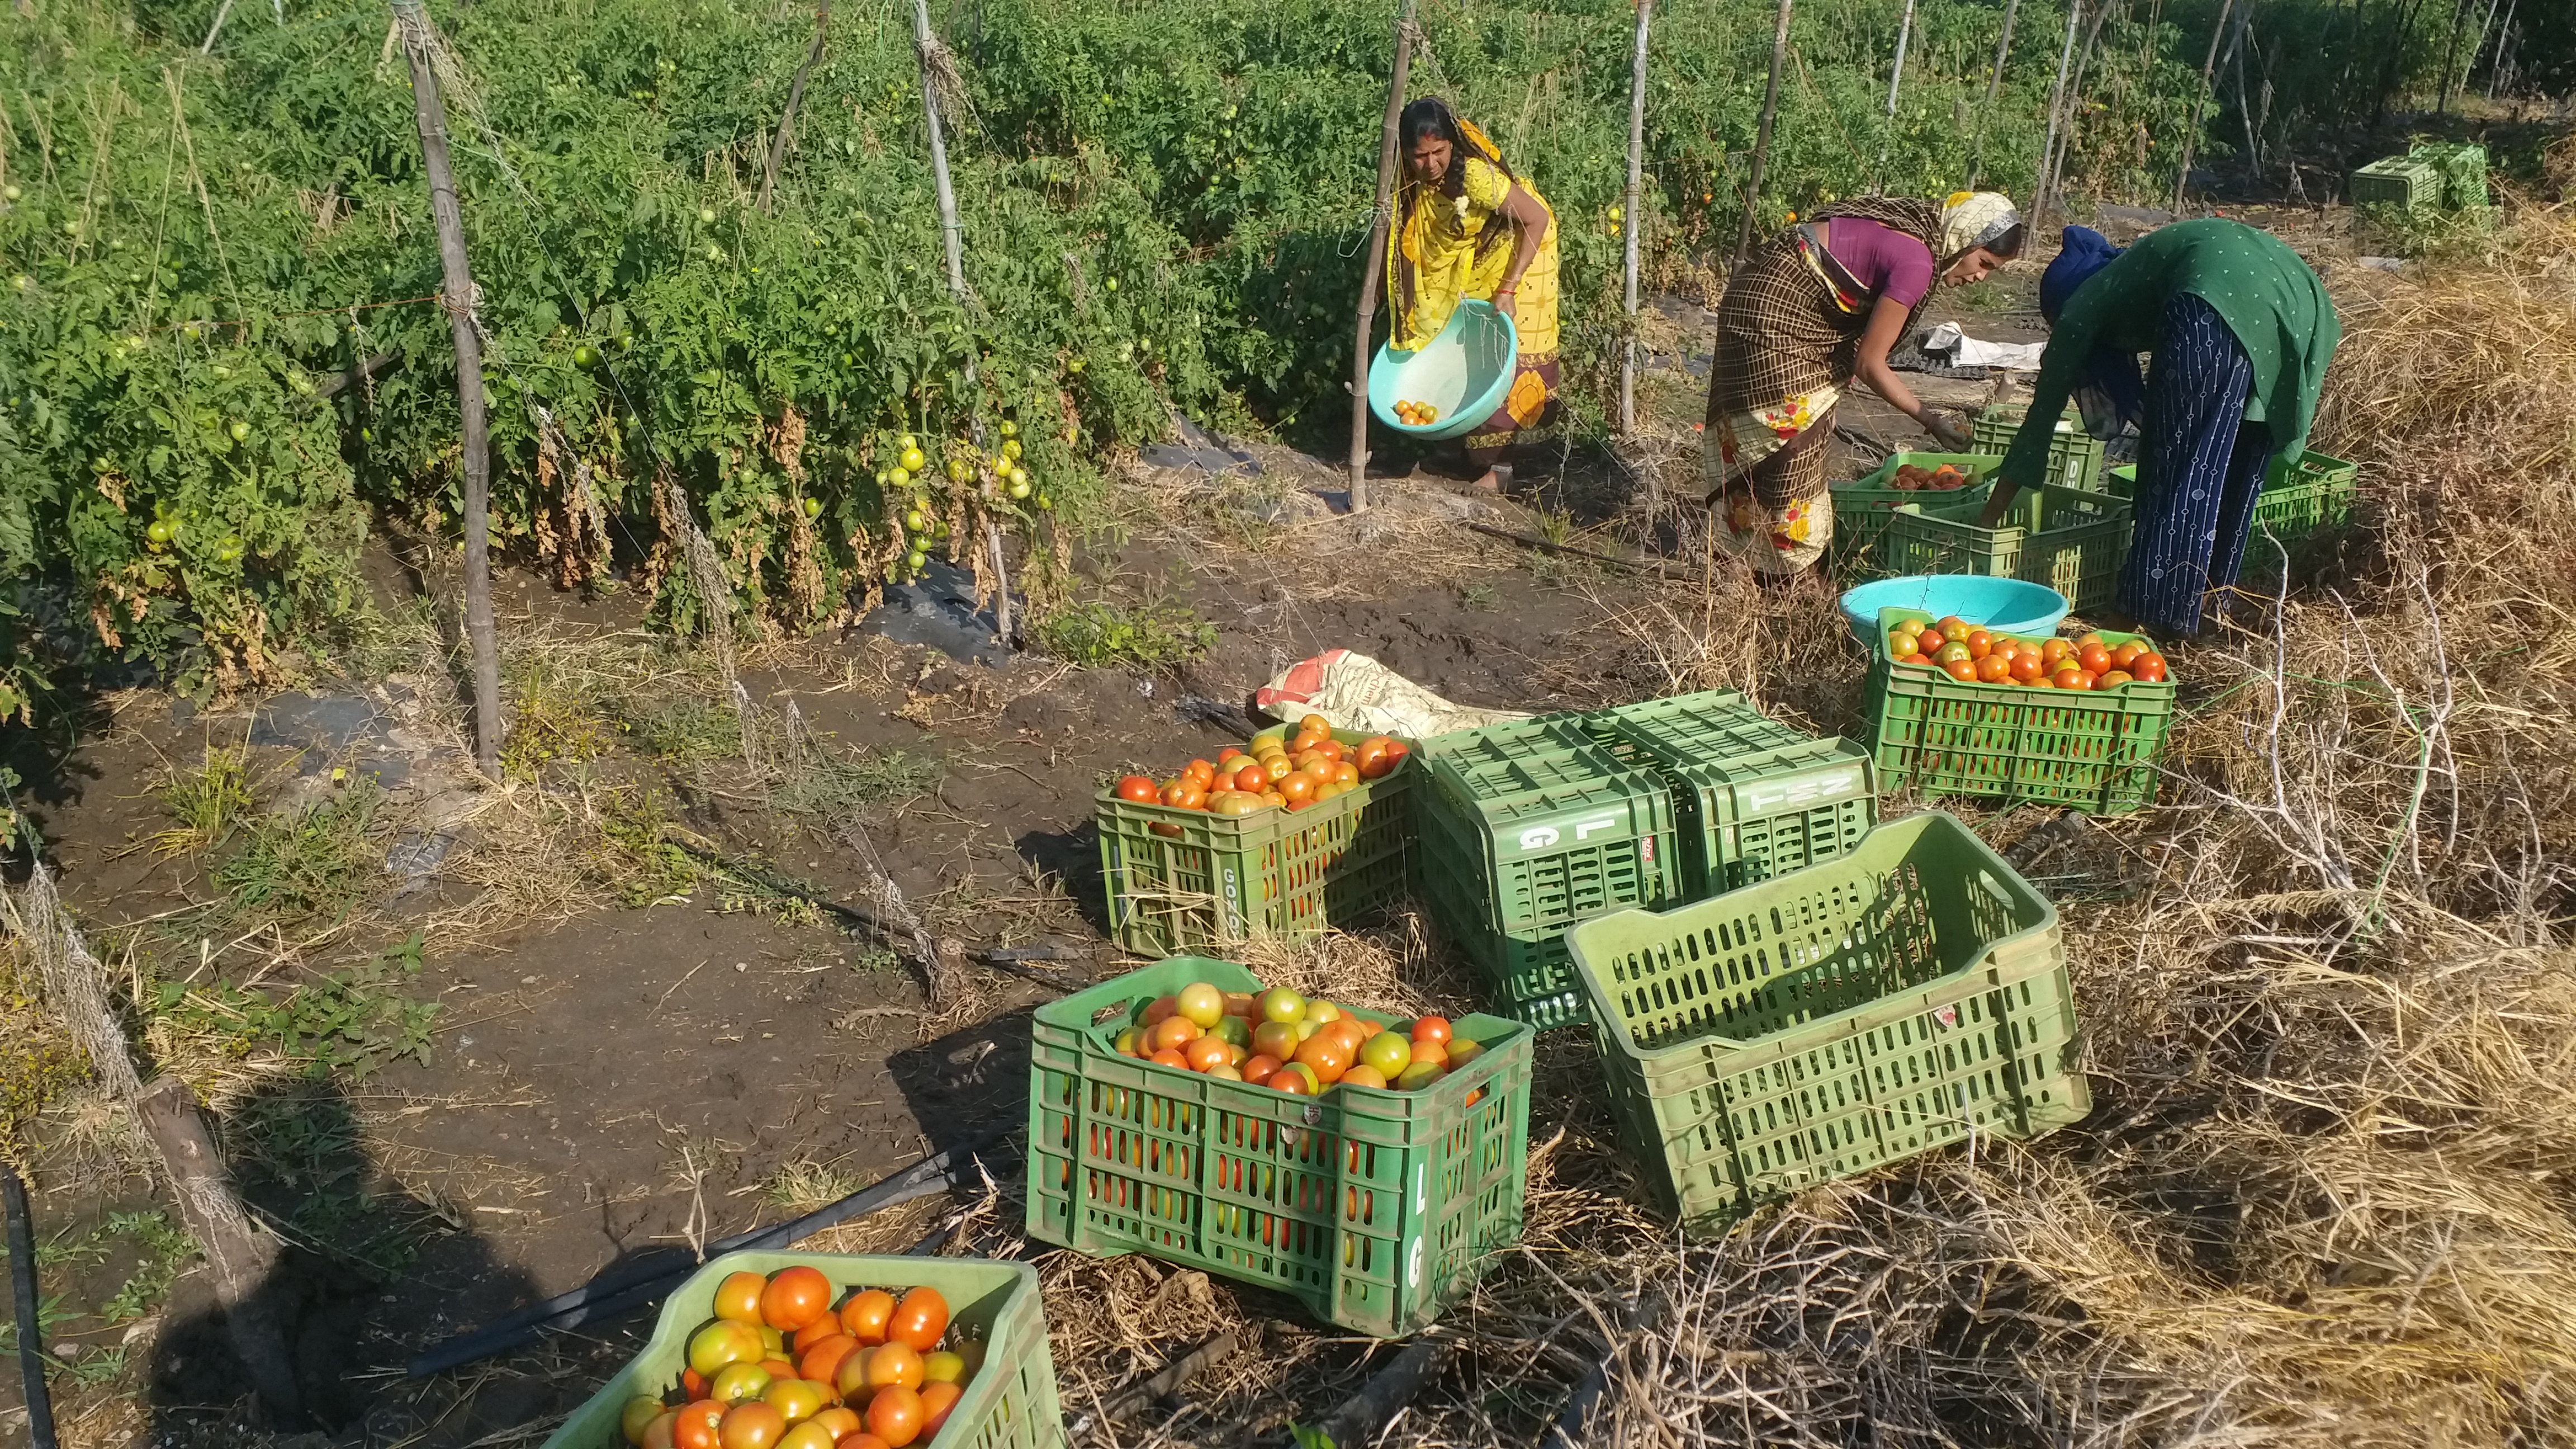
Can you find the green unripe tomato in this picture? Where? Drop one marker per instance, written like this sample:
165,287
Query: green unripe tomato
916,559
848,361
161,531
915,520
706,216
813,508
1019,488
912,460
13,193
301,385
584,355
1011,449
240,431
906,443
1073,364
1111,284
898,477
222,372
1045,504
134,279
1010,429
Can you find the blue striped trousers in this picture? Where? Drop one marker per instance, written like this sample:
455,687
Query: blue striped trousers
2200,468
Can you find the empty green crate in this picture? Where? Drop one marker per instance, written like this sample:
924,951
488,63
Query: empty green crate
1375,1209
2402,182
2074,455
1907,996
2094,751
1752,797
1528,972
1861,506
1009,1403
2462,167
1187,880
2067,538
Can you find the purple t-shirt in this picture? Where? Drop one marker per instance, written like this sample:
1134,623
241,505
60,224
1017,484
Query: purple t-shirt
1887,262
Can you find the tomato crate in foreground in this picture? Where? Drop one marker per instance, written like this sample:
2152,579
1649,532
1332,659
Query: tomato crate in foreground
1526,828
2069,539
2074,455
1862,505
1185,879
1009,1403
1376,1209
1833,1020
2094,750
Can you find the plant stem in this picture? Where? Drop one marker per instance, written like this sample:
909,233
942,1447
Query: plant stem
1374,258
1762,135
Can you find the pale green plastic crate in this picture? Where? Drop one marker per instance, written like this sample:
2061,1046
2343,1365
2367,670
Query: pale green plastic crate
1010,1403
1833,1020
2074,455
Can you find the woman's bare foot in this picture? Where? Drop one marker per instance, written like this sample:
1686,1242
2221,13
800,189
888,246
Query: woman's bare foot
1497,479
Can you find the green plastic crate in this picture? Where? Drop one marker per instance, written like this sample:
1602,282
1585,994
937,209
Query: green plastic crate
2067,538
1754,798
1010,1403
2093,751
1861,506
1376,1209
1833,1020
2074,455
2402,182
2462,167
2298,500
1186,880
1526,828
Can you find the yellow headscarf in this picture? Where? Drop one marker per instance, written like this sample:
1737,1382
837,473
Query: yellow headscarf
1971,219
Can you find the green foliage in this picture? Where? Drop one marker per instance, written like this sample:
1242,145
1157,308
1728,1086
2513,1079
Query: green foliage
160,1248
1102,635
554,724
353,1020
1160,207
207,800
319,862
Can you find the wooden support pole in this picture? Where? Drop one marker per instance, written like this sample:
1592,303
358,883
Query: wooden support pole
1896,72
1373,261
457,295
243,1259
2200,98
1994,87
1762,134
1632,217
795,97
2056,98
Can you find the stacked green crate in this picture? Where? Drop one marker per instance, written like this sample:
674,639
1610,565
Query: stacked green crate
2074,455
2299,501
1862,506
2070,539
1525,829
2462,167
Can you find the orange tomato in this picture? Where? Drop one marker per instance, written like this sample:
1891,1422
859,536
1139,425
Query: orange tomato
1206,1052
1228,753
796,1296
865,1315
797,1400
1240,1003
1170,1058
806,1434
738,1298
1954,627
1160,1009
1980,643
1994,669
821,1361
1962,669
1431,1028
841,1419
693,1384
1199,773
1138,788
825,1326
1325,1054
1434,1052
862,1439
2113,679
918,1322
694,1427
657,1433
895,1415
2053,652
2025,667
2093,658
1315,724
894,1363
1290,1080
938,1401
1175,1032
2070,677
1259,1068
1253,778
1297,788
752,1425
2127,654
1364,1075
2083,639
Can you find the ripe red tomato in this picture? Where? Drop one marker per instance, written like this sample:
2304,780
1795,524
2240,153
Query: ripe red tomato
2070,677
1994,669
2093,658
919,1320
2149,668
1980,643
2127,654
750,1425
695,1427
738,1298
865,1315
895,1415
1290,1080
795,1297
822,1360
2114,679
1139,789
2025,667
938,1401
1431,1028
1962,669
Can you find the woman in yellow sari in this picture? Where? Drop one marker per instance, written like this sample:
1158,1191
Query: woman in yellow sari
1468,230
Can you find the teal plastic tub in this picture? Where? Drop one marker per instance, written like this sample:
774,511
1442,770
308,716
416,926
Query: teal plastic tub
1465,372
2008,606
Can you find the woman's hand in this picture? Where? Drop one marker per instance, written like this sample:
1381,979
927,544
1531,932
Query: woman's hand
1952,437
1505,299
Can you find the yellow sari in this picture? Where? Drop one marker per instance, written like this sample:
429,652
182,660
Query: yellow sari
1447,249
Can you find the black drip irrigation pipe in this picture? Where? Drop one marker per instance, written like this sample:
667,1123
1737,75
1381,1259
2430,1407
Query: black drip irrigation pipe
644,1282
22,1282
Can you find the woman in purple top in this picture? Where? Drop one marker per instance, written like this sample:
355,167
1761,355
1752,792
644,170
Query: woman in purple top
1820,304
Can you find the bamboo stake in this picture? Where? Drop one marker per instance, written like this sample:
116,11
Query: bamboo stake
459,298
2450,54
2200,98
1896,72
926,47
2056,97
2504,37
1762,135
1373,261
221,13
2075,93
795,95
1994,87
1633,217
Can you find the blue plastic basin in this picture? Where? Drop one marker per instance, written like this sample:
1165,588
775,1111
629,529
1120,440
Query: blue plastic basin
2007,606
1465,372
